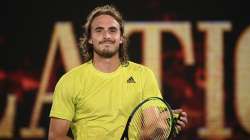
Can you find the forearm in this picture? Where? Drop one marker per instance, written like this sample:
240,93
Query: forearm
58,129
60,138
64,138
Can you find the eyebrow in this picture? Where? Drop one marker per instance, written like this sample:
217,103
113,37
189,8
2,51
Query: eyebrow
112,28
100,28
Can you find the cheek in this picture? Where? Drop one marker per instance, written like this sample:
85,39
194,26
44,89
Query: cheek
95,40
117,38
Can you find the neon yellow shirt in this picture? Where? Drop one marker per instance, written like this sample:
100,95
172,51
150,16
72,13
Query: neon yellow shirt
98,104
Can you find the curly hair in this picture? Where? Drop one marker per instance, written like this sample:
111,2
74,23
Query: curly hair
87,49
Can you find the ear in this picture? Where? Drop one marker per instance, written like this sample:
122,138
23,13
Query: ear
90,41
121,40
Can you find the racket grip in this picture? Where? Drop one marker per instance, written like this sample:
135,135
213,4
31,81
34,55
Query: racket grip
176,117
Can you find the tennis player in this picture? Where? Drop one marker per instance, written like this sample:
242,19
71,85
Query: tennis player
96,98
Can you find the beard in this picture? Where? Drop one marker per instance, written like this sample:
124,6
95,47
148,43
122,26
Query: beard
106,52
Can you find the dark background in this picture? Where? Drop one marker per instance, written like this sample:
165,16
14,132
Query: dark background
26,28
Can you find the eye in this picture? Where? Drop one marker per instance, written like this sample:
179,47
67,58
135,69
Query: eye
98,30
113,30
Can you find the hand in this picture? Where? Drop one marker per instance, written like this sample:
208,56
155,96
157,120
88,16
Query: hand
155,124
182,121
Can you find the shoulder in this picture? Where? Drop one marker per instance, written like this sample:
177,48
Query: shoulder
138,67
74,74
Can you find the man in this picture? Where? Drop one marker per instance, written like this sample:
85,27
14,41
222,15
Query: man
96,98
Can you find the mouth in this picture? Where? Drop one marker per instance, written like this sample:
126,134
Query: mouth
107,42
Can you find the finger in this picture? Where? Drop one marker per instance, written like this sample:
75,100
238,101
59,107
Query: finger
183,114
183,119
181,124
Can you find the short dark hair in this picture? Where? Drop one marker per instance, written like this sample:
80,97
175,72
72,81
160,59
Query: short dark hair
87,49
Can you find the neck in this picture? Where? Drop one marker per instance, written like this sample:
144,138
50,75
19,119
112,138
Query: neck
106,65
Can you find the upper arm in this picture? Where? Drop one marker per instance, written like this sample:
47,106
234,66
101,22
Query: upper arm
58,128
150,86
63,104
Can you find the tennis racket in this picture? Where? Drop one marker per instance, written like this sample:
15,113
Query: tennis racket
152,119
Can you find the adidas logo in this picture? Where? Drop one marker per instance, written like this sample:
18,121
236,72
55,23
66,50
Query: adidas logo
130,80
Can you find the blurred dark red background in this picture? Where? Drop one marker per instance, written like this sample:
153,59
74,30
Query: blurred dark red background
26,29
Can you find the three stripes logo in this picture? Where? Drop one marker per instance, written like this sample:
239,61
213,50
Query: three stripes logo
131,80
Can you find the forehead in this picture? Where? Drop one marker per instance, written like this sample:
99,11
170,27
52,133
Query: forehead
104,21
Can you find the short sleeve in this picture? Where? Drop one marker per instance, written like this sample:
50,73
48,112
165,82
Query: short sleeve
63,100
150,87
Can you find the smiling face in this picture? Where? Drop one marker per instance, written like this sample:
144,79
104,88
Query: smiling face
105,36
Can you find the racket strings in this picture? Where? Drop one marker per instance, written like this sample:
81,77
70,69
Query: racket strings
159,125
136,126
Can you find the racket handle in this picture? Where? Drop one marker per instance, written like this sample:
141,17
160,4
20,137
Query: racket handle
176,117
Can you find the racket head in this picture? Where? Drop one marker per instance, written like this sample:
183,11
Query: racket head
151,119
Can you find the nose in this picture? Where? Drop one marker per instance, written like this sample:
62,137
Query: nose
106,35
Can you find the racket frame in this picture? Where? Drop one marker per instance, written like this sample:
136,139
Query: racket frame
125,132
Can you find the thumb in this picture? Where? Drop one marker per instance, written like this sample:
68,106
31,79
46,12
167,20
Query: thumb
177,111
